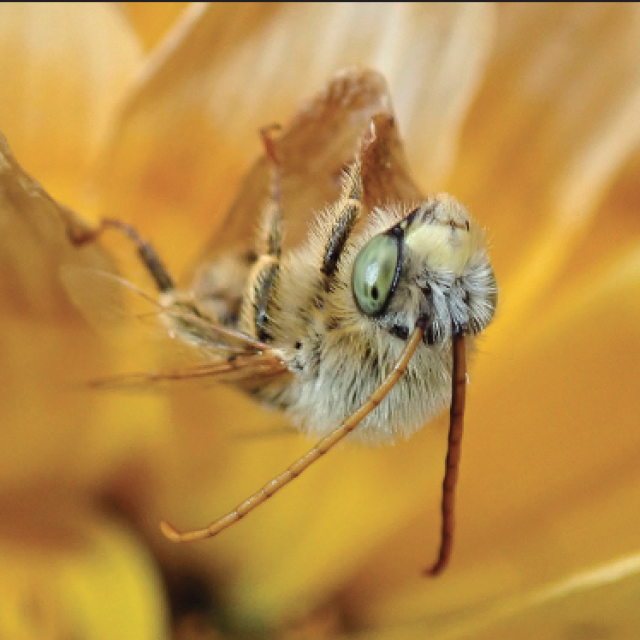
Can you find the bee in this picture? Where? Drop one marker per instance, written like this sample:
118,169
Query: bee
359,332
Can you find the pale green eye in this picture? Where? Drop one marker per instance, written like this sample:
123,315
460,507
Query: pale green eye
375,273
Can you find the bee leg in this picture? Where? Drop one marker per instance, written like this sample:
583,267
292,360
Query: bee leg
270,238
146,252
322,447
263,279
346,214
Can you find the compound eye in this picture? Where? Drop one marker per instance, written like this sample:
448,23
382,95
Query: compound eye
375,273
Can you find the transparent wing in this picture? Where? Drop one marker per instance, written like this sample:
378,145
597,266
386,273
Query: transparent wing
249,370
190,348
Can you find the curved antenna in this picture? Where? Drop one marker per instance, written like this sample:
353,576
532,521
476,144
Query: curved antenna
324,445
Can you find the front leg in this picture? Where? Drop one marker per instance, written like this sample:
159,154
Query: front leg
146,252
345,216
264,275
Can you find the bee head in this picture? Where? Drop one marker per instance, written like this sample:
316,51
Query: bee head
430,266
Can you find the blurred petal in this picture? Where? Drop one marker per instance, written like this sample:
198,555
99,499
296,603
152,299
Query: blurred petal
34,230
599,602
555,120
152,20
190,130
70,574
52,425
63,67
615,230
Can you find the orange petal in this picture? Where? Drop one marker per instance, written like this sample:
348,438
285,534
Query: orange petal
50,429
615,231
152,20
554,122
70,573
597,602
63,70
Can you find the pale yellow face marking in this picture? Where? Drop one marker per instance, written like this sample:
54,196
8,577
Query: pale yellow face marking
446,245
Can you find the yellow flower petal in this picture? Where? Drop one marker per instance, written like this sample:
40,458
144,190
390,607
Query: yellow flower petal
84,577
598,602
152,20
50,429
64,67
615,230
554,121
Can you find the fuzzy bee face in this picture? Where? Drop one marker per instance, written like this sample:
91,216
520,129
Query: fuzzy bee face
429,264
